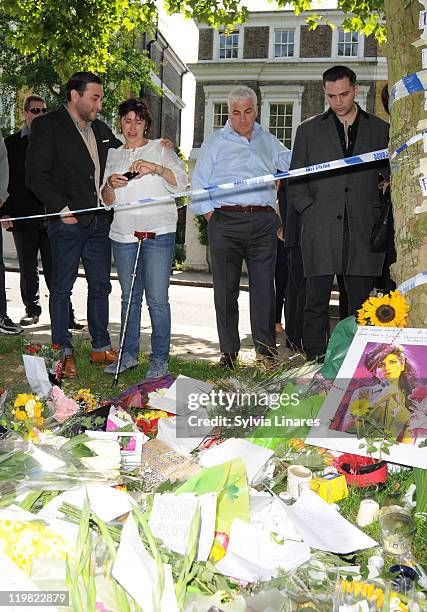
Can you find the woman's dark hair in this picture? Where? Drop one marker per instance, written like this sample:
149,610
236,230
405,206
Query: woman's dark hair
79,81
141,110
407,379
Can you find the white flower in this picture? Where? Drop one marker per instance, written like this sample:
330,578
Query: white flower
49,439
29,407
108,455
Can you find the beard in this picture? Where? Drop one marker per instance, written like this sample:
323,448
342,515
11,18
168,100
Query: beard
85,114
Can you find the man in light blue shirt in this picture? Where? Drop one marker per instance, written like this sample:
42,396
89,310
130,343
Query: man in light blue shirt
242,223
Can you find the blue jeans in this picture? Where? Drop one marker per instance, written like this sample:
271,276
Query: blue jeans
152,277
70,243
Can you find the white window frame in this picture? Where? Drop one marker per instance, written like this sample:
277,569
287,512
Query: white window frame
347,58
271,38
217,35
361,98
280,94
213,94
284,127
213,113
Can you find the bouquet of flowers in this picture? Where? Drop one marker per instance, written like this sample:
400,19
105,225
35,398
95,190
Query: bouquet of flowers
26,415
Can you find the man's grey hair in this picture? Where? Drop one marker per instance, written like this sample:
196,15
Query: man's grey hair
242,92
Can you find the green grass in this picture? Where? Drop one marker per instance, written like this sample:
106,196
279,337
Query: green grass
12,372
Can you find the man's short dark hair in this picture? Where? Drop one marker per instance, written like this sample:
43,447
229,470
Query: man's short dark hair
339,72
140,108
79,81
32,98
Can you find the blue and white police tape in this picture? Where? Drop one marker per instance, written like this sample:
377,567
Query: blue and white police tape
355,160
412,83
408,143
414,281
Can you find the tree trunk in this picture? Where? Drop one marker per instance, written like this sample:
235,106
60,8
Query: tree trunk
410,228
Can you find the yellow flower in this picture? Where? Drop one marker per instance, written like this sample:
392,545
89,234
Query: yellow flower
38,421
217,552
296,444
33,435
359,407
369,591
21,415
390,310
38,409
22,399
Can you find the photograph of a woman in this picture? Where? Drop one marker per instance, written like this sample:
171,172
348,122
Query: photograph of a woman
383,406
379,396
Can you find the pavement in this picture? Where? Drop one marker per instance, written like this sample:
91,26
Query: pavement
194,334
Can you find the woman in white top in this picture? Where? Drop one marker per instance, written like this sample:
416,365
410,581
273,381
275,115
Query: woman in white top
160,172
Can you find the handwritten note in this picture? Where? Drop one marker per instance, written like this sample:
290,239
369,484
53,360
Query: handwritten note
171,518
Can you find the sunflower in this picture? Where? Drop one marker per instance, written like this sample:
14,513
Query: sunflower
390,310
359,407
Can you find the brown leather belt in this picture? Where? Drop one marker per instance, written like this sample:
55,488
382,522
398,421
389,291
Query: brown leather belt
249,208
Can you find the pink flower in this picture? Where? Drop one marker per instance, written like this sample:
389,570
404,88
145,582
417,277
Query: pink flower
419,394
64,407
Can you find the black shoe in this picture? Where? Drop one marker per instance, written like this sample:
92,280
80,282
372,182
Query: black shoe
228,360
75,325
29,320
7,326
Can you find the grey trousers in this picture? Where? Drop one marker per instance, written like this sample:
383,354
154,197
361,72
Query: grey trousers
235,237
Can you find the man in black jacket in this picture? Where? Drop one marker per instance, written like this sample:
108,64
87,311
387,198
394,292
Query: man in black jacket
65,164
338,210
30,236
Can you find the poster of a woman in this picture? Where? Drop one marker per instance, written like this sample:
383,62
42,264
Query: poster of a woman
382,403
380,393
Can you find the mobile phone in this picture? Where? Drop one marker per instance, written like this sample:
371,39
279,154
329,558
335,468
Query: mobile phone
130,175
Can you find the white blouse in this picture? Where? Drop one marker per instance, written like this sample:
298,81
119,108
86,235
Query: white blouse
158,217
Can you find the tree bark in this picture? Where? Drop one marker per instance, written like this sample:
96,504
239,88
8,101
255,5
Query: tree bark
410,229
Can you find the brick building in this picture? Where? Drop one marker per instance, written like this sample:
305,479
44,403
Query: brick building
166,109
277,55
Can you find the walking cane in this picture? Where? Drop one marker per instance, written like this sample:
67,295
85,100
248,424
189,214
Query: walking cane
141,237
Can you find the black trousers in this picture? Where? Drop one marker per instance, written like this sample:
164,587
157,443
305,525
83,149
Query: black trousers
28,243
316,312
235,237
280,280
295,297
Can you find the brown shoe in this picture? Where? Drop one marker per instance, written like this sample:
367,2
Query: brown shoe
69,367
104,357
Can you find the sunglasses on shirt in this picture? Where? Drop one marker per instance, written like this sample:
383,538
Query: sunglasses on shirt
37,111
